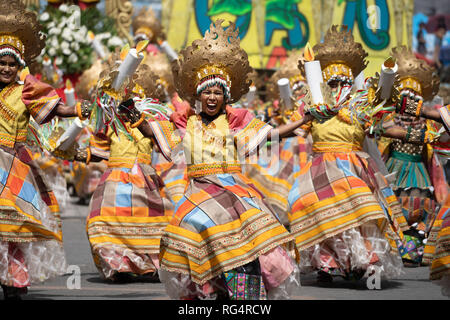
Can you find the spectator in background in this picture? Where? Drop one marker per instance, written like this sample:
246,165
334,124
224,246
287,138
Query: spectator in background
421,46
439,33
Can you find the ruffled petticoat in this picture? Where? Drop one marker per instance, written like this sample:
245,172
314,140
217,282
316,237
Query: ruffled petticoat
352,252
26,262
112,259
279,273
23,263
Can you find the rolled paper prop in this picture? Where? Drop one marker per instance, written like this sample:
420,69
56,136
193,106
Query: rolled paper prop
359,81
98,47
250,96
387,77
48,68
127,68
285,91
69,136
69,92
167,49
314,78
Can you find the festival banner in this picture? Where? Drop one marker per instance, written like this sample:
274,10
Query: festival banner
269,29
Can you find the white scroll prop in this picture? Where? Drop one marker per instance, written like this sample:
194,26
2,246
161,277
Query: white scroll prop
167,49
70,97
48,68
359,81
285,91
250,96
127,68
98,47
69,136
387,77
314,78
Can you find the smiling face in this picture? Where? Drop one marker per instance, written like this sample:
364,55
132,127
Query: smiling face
212,100
8,69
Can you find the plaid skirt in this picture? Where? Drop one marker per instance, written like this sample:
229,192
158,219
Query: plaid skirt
30,224
438,245
219,224
173,174
336,192
127,216
274,176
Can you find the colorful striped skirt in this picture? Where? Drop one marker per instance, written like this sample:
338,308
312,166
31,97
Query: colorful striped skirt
30,225
274,175
127,216
439,247
222,223
341,202
440,266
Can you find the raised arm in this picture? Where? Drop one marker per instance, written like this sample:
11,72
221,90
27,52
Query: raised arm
287,130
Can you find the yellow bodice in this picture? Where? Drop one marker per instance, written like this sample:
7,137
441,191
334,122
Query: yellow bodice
338,134
14,116
209,149
124,152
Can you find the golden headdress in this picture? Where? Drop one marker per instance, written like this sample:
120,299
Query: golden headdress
339,55
160,65
148,24
20,32
292,68
217,56
88,80
415,74
144,83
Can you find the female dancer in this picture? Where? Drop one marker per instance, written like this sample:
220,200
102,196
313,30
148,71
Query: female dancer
127,214
30,227
223,241
342,208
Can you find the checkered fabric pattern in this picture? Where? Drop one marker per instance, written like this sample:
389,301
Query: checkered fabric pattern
23,193
430,247
440,265
220,223
274,177
339,191
127,211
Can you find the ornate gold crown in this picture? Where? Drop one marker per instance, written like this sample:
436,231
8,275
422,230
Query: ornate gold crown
293,68
339,54
217,54
21,30
415,74
147,23
160,65
88,80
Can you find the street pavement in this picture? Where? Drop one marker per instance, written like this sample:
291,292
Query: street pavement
412,285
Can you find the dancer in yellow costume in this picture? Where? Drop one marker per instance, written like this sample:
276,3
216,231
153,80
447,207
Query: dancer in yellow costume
30,227
274,176
223,240
344,216
127,214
